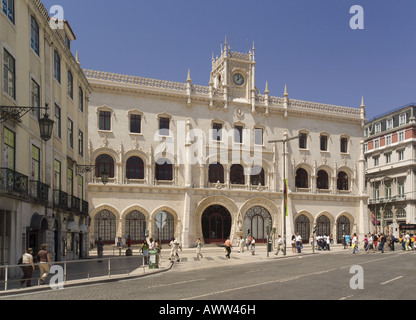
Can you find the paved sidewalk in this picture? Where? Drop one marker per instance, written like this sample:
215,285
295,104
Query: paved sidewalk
213,257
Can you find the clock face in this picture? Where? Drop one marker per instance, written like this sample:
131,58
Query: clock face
238,79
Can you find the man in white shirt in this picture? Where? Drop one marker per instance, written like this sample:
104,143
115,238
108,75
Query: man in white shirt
355,243
299,242
279,245
27,267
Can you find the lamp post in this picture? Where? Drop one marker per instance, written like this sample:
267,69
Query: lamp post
285,189
89,167
17,112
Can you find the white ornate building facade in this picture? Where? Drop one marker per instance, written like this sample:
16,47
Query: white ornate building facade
194,161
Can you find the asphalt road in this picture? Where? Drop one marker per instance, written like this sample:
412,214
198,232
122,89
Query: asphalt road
388,276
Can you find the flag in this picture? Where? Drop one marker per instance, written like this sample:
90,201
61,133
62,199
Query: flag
286,189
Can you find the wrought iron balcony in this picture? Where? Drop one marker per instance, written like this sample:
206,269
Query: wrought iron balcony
85,207
39,191
75,203
13,181
60,199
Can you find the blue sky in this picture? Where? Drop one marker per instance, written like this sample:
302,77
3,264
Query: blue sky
306,44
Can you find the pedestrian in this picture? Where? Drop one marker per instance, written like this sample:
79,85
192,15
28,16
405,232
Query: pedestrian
253,246
151,244
293,242
158,247
382,241
407,242
347,241
241,244
247,242
298,243
228,247
44,259
27,268
198,248
279,245
328,241
129,242
354,243
145,250
365,242
370,243
175,246
392,241
100,248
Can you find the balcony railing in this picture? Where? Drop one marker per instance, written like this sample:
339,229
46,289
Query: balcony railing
60,199
13,181
85,207
39,191
75,203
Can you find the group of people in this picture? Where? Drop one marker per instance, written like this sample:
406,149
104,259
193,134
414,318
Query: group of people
323,242
27,265
373,242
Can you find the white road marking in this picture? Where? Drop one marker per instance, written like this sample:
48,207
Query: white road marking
391,280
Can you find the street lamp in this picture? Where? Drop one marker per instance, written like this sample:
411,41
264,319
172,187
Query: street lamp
285,189
89,167
17,112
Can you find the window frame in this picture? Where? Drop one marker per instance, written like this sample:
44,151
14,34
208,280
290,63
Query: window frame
34,35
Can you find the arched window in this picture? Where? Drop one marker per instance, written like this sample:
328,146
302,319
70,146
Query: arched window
104,163
135,168
105,226
136,226
343,228
322,180
216,173
164,226
237,174
303,227
257,176
342,181
164,170
301,178
256,221
323,225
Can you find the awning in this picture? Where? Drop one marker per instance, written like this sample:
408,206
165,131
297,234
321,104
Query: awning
39,222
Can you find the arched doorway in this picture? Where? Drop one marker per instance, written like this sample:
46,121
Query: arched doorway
216,224
256,221
105,227
164,227
303,227
136,226
343,228
37,232
323,226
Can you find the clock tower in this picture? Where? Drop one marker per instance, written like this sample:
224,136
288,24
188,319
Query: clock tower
233,75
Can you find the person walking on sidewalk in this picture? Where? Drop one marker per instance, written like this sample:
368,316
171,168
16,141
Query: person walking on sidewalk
253,246
44,259
241,243
228,247
27,268
298,243
279,245
100,249
175,245
354,244
198,248
145,250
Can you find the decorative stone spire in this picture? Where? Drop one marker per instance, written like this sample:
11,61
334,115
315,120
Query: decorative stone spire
362,113
267,98
189,88
285,101
77,58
